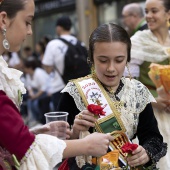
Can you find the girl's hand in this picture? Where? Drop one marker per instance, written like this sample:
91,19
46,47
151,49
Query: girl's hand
83,121
139,157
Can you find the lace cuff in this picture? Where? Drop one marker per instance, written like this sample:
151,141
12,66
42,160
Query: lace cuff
155,149
44,153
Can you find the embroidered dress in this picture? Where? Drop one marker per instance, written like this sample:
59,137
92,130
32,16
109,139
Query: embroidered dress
136,108
29,152
146,50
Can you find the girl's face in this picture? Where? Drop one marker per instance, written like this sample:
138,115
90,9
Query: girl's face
109,61
20,26
156,16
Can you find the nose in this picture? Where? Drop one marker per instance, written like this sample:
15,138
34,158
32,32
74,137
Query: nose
111,67
148,15
29,32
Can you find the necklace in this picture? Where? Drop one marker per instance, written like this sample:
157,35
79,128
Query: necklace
110,89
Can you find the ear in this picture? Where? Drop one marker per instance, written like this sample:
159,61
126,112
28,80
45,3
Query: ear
4,21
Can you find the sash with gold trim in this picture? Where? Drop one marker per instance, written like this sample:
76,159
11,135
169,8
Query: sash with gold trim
92,92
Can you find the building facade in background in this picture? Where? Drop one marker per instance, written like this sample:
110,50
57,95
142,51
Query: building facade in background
85,15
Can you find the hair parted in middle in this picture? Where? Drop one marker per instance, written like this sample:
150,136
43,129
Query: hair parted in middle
109,33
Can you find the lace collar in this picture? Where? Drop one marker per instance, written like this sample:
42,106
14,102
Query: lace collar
10,82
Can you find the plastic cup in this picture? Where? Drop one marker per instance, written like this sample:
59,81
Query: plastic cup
56,116
57,129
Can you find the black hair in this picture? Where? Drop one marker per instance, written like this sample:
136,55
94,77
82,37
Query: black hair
42,46
166,4
64,22
11,7
31,62
109,33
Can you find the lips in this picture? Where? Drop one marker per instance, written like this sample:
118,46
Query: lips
110,76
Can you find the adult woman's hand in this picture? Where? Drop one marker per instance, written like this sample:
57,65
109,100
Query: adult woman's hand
139,157
163,100
56,128
97,143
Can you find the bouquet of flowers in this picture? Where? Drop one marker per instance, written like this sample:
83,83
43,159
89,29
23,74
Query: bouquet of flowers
160,75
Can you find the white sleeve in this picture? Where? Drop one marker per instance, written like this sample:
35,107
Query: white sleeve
48,58
45,153
41,78
134,68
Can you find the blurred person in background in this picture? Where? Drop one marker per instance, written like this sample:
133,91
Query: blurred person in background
39,50
133,18
27,51
54,55
36,80
150,46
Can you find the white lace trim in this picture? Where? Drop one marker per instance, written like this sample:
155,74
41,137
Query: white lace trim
82,160
134,95
146,47
72,90
10,82
47,152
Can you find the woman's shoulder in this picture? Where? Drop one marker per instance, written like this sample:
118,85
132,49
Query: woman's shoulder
138,88
5,100
141,33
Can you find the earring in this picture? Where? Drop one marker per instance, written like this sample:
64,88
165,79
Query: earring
88,61
93,73
5,41
130,76
168,23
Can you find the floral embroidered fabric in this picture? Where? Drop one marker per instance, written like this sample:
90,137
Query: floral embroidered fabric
6,160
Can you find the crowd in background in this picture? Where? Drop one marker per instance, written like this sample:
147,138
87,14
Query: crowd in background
44,83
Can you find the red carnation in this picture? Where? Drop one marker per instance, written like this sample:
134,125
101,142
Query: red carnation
96,109
129,148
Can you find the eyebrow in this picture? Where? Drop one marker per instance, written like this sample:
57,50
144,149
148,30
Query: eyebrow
31,16
102,56
151,8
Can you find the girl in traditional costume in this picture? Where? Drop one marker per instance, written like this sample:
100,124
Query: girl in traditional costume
19,148
153,46
127,102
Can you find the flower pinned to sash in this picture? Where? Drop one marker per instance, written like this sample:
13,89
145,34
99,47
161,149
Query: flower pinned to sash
97,110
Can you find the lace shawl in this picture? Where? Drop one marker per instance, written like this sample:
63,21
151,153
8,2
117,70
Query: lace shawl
145,47
133,94
10,82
